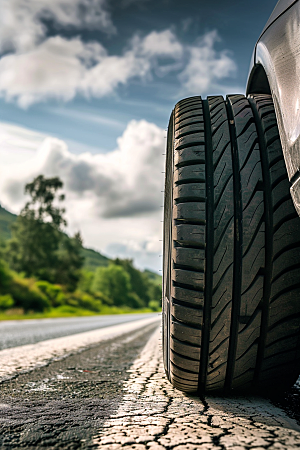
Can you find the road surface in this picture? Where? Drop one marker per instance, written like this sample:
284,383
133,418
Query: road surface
109,391
22,332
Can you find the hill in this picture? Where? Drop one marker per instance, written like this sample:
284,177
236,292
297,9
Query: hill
6,220
155,277
92,259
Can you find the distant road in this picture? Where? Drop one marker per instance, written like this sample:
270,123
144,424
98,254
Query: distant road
14,333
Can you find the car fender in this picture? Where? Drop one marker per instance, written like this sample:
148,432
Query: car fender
276,69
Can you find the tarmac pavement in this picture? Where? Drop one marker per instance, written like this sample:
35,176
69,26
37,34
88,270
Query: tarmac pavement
113,394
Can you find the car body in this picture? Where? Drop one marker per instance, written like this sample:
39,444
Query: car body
275,70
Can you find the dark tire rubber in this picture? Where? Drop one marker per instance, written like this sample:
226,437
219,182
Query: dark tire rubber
231,274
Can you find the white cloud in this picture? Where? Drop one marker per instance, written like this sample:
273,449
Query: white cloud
112,72
60,68
113,198
124,182
54,69
17,144
206,67
22,26
163,43
146,254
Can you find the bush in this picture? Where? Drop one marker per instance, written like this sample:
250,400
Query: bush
154,305
134,301
27,295
83,300
6,302
53,292
103,298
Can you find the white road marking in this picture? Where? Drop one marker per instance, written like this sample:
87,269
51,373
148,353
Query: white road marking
28,357
153,415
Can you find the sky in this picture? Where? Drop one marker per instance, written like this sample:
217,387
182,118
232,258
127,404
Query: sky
86,91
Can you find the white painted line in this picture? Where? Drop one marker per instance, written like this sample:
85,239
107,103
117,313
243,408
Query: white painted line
28,357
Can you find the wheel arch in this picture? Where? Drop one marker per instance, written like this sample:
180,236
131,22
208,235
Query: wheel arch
258,82
275,70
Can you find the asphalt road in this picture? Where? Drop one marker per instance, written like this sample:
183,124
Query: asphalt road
21,332
114,395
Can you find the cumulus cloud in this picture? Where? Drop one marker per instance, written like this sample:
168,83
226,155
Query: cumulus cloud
125,182
61,68
206,67
163,43
146,253
54,69
22,24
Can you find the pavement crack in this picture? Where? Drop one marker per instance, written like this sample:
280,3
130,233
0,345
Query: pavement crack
135,409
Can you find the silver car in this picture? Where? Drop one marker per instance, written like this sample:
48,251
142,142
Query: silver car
231,276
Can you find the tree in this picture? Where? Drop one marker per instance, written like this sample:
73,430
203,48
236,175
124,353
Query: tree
138,280
114,282
38,246
33,247
5,276
70,261
43,192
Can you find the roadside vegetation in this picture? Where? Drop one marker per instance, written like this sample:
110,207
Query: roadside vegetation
46,273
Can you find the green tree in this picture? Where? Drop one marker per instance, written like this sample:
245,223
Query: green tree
43,192
139,281
114,282
70,261
154,292
86,281
5,276
38,246
32,249
36,232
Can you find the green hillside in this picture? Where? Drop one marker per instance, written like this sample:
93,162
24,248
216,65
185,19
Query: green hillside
6,219
92,259
155,277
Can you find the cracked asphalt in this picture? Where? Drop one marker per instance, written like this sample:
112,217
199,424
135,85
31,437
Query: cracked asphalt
115,395
154,416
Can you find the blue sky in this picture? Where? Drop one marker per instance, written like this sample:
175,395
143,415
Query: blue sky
86,90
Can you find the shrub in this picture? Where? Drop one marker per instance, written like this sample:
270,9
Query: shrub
53,292
27,295
6,302
84,301
103,298
154,305
134,301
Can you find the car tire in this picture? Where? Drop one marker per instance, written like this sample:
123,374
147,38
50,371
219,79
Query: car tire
231,266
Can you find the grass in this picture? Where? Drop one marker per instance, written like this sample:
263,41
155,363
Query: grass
69,311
